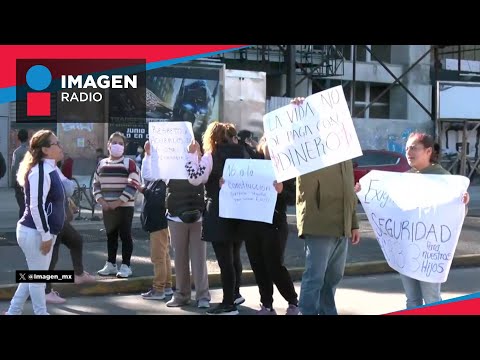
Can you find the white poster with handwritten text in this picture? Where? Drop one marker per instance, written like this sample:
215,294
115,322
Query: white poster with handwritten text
318,133
169,141
248,192
417,220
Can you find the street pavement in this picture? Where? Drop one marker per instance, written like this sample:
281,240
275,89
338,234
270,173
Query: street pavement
356,295
363,259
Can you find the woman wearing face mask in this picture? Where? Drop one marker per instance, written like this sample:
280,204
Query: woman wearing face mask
114,189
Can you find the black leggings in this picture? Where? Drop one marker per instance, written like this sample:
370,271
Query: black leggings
72,239
228,257
265,248
119,222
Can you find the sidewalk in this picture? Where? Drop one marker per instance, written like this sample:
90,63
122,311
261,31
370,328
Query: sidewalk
355,295
365,258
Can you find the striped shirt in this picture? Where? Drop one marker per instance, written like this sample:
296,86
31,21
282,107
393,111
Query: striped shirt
111,180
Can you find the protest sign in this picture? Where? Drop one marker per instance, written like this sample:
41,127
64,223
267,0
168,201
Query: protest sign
248,192
169,141
417,220
318,133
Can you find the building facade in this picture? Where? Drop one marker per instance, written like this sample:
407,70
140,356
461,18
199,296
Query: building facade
384,113
383,124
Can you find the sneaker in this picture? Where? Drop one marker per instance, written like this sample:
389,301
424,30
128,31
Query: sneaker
168,291
239,299
223,309
54,298
292,310
84,278
266,311
153,295
177,303
6,313
203,304
108,269
124,272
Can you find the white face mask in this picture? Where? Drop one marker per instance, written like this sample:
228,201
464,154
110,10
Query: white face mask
116,150
140,150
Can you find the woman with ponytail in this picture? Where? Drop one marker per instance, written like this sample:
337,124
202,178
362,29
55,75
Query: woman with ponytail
44,215
220,142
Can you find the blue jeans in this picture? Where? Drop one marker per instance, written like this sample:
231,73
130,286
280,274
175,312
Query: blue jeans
325,258
419,291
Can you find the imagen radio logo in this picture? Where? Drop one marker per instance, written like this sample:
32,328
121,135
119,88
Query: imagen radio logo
79,90
38,79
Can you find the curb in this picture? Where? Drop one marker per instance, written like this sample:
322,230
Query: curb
80,225
141,284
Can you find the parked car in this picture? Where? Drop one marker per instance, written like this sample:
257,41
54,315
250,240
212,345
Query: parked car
378,160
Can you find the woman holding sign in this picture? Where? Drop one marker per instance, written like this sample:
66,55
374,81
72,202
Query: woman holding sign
220,143
184,207
265,246
422,155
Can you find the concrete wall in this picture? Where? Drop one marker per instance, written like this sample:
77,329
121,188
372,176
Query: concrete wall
406,115
277,85
417,80
370,72
388,134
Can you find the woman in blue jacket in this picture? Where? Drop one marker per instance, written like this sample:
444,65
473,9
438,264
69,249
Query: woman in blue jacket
44,215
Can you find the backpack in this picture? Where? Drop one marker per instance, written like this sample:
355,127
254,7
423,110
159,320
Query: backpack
3,166
152,216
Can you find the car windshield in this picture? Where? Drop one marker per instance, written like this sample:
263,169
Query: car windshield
376,159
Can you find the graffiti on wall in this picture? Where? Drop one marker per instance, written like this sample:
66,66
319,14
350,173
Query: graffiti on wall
397,143
80,140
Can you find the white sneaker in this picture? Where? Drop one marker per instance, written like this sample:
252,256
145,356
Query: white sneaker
168,291
124,272
203,304
108,269
239,300
153,295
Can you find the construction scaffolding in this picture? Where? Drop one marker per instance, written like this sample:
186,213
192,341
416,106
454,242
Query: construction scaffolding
460,63
314,62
